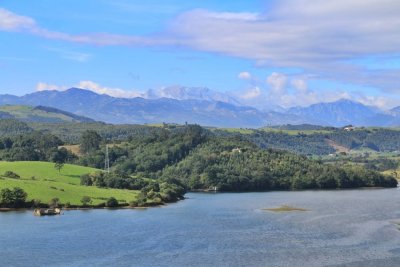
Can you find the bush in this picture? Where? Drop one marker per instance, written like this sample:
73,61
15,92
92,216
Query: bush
86,200
10,174
14,198
36,203
134,203
54,203
112,202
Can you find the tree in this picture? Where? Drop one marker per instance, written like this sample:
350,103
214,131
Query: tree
14,198
90,141
6,197
61,155
19,197
112,202
54,203
59,166
86,200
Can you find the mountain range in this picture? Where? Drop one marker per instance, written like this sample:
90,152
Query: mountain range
39,114
191,106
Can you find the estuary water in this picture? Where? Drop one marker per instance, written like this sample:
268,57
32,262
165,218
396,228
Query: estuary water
340,228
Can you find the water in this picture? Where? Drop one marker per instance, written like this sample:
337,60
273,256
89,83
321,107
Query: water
341,228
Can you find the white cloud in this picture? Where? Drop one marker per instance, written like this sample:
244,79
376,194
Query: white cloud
244,16
285,91
251,93
300,85
317,36
45,86
116,92
244,75
277,82
12,22
262,98
71,55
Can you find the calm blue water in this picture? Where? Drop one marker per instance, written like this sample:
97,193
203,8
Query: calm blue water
349,228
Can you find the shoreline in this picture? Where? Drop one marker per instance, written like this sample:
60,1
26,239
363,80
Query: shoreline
80,208
192,191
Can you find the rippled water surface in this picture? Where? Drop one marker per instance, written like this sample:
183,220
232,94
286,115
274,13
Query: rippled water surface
340,228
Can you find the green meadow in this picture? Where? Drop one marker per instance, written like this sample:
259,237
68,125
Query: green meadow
42,181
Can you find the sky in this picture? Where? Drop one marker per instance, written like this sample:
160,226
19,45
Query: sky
263,53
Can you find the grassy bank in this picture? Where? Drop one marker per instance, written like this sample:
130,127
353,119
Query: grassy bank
40,180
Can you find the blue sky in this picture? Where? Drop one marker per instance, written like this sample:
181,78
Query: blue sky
263,53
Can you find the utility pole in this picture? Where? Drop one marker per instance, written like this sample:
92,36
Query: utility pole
107,161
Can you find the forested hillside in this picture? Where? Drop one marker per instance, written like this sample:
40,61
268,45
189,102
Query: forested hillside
319,141
198,158
201,160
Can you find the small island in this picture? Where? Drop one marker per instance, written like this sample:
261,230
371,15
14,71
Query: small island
284,208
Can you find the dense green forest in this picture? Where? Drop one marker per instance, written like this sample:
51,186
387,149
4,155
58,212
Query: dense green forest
163,162
199,159
300,139
320,143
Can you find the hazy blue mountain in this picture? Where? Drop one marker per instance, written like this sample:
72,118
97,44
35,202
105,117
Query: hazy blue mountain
395,111
343,112
139,110
202,109
190,93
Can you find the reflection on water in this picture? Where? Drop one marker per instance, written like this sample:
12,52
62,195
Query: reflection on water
339,228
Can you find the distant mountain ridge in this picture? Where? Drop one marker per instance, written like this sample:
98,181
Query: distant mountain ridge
39,114
201,108
190,93
341,112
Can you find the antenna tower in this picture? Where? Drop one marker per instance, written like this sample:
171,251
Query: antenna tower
107,161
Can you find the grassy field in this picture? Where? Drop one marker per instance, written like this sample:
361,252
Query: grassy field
274,130
42,181
295,132
236,130
26,113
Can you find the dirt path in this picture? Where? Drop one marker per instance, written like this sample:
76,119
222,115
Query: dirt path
337,147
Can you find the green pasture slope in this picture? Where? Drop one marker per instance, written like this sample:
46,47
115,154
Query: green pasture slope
42,181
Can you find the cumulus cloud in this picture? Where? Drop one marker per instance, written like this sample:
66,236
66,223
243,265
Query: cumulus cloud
316,36
244,75
300,85
45,86
285,91
296,33
277,82
116,92
252,93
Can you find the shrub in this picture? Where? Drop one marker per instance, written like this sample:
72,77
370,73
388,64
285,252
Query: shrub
36,203
13,198
86,200
112,202
134,203
10,174
54,203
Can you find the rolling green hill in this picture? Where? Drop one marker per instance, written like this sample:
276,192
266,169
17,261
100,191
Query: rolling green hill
42,181
39,114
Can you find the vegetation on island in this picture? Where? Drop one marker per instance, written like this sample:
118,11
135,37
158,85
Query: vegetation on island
284,208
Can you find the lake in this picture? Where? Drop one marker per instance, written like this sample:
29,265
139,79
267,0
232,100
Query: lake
340,228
